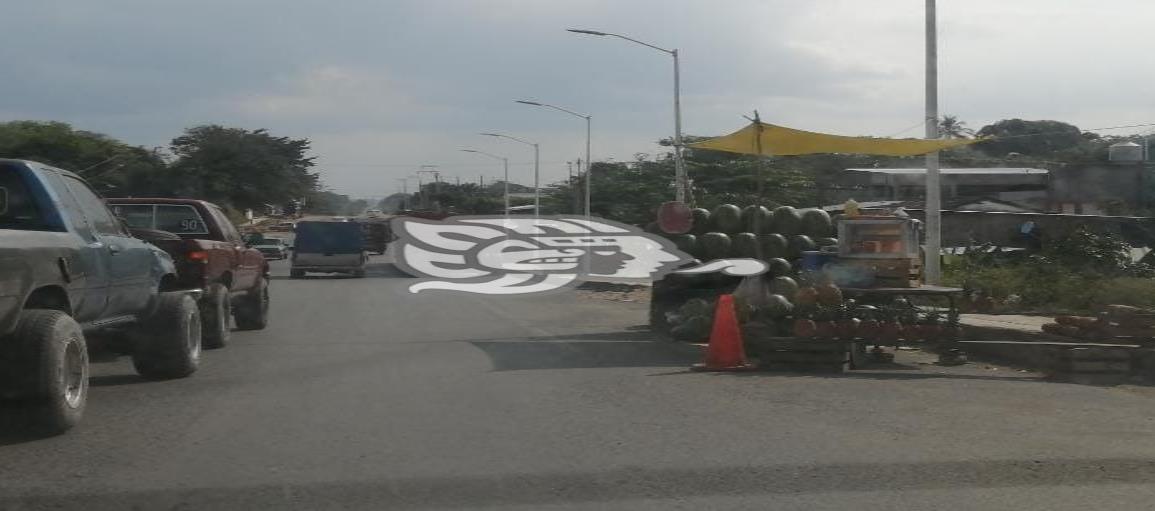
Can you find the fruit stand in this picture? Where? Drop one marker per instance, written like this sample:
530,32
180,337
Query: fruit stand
824,300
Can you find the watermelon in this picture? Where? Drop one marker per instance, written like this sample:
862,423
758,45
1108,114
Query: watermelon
714,245
785,221
687,243
778,306
758,329
784,286
699,326
780,267
816,223
701,218
696,307
826,242
744,244
756,219
800,243
773,246
727,218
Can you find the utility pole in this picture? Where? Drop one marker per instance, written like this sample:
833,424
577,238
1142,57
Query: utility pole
579,184
933,271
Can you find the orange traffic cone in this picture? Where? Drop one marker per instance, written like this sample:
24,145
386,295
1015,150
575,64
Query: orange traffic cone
725,352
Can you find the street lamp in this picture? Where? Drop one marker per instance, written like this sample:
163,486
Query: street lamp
679,165
505,163
536,169
588,122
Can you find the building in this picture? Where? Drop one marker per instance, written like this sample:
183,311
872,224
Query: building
1025,188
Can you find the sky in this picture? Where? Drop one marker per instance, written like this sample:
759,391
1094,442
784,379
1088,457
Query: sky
382,87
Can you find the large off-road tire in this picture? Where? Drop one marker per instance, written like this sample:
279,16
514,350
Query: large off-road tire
296,274
252,312
170,340
52,385
216,316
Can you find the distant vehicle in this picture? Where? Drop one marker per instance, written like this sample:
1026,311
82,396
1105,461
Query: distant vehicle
211,255
272,248
339,219
328,247
69,269
374,213
283,227
377,233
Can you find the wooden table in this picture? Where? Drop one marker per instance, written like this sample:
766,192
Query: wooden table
950,352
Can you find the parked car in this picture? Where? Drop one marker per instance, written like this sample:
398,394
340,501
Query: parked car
328,247
272,248
210,254
70,269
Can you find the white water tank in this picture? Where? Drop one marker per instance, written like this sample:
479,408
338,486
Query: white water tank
1125,152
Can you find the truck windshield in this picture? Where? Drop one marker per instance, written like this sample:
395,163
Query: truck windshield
175,218
17,209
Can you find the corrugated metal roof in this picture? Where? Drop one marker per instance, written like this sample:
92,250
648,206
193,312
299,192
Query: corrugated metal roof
992,170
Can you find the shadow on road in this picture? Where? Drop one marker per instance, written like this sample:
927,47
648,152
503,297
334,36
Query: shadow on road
584,351
375,270
115,380
617,485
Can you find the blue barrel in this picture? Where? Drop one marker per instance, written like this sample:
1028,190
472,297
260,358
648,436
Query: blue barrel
813,260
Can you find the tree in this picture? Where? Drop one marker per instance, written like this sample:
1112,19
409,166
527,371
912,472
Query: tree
356,207
113,167
243,168
323,202
1032,138
950,127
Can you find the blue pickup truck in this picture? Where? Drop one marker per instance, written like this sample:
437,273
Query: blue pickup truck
71,270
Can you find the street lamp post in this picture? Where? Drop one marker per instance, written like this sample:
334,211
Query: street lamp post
505,164
679,164
536,169
588,119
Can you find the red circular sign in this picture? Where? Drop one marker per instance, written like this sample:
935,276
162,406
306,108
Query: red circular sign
675,218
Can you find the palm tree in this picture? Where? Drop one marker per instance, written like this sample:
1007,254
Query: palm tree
950,127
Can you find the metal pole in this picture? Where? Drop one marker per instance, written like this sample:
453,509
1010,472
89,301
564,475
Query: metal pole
679,165
933,271
505,162
589,166
420,192
536,181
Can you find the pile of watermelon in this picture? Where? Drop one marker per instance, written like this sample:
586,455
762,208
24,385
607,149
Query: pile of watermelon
754,232
780,306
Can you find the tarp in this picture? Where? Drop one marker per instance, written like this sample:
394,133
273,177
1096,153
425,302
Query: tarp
782,141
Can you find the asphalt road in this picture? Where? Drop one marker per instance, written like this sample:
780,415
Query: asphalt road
360,395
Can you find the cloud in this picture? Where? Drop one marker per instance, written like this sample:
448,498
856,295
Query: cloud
412,81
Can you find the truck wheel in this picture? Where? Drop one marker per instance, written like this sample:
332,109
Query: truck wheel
216,312
296,274
55,385
170,346
252,313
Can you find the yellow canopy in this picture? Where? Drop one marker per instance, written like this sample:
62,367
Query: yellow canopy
780,141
